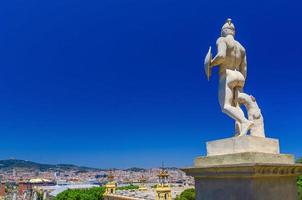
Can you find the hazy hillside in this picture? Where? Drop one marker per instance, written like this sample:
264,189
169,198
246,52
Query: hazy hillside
13,163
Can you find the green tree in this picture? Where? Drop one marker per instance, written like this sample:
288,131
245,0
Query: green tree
128,187
95,193
299,182
188,194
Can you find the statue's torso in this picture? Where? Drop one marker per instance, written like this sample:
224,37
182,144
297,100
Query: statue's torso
234,54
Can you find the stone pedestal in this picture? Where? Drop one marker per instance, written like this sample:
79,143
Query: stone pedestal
245,168
243,144
246,182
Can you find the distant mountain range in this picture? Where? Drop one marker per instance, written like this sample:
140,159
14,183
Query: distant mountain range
10,164
14,163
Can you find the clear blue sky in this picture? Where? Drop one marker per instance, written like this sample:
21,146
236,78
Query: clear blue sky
119,83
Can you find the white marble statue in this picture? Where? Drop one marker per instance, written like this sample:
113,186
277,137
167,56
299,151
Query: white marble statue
35,196
14,196
231,59
45,195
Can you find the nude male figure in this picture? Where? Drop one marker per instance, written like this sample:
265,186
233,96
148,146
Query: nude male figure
231,59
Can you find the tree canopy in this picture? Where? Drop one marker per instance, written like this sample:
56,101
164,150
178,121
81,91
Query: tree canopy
188,194
128,187
95,193
299,183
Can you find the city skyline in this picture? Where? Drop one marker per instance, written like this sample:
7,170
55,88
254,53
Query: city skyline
121,83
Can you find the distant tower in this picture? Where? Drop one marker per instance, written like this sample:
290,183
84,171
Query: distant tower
163,190
14,172
110,187
142,186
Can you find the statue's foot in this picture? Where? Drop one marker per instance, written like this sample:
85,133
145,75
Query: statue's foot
245,127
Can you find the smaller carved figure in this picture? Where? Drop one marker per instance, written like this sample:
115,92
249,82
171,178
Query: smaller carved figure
254,114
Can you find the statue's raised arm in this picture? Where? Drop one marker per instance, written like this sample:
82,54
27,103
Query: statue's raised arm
221,52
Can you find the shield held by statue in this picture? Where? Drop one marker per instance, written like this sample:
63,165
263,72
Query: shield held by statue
207,64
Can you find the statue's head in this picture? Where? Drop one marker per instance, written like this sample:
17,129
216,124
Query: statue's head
228,28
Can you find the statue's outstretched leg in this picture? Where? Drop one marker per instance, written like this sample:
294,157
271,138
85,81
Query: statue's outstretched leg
226,100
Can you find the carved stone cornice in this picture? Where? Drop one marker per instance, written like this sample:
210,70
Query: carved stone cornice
245,170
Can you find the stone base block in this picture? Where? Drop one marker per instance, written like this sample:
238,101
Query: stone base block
247,158
246,182
243,144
